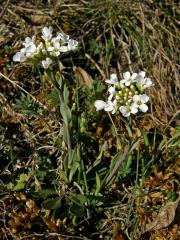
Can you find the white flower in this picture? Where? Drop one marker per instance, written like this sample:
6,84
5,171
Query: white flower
28,42
47,33
63,37
139,102
46,63
111,106
27,51
143,82
100,105
19,57
142,74
72,45
29,47
108,107
30,51
128,79
55,49
127,110
64,49
113,79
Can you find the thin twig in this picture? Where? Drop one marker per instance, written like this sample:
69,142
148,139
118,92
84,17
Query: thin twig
97,66
54,234
4,10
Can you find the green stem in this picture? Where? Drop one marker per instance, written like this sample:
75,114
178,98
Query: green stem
83,169
61,99
115,129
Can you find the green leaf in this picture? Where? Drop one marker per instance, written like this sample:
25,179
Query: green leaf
21,182
54,97
41,174
78,199
98,184
66,113
77,210
59,80
146,141
62,212
96,198
114,160
125,169
52,203
134,145
75,164
65,132
66,95
171,196
65,163
44,193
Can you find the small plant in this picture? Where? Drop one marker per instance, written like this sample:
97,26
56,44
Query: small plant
126,95
46,54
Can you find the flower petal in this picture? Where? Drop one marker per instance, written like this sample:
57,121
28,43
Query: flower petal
136,98
148,82
63,49
134,109
143,107
125,111
63,37
126,75
109,108
111,90
46,63
72,44
99,104
144,98
50,49
134,75
113,77
47,33
110,97
127,83
142,74
123,81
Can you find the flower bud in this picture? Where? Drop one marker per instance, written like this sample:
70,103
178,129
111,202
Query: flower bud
118,86
132,87
122,85
127,90
120,93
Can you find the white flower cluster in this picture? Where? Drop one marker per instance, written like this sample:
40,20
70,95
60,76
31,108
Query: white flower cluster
126,95
45,51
